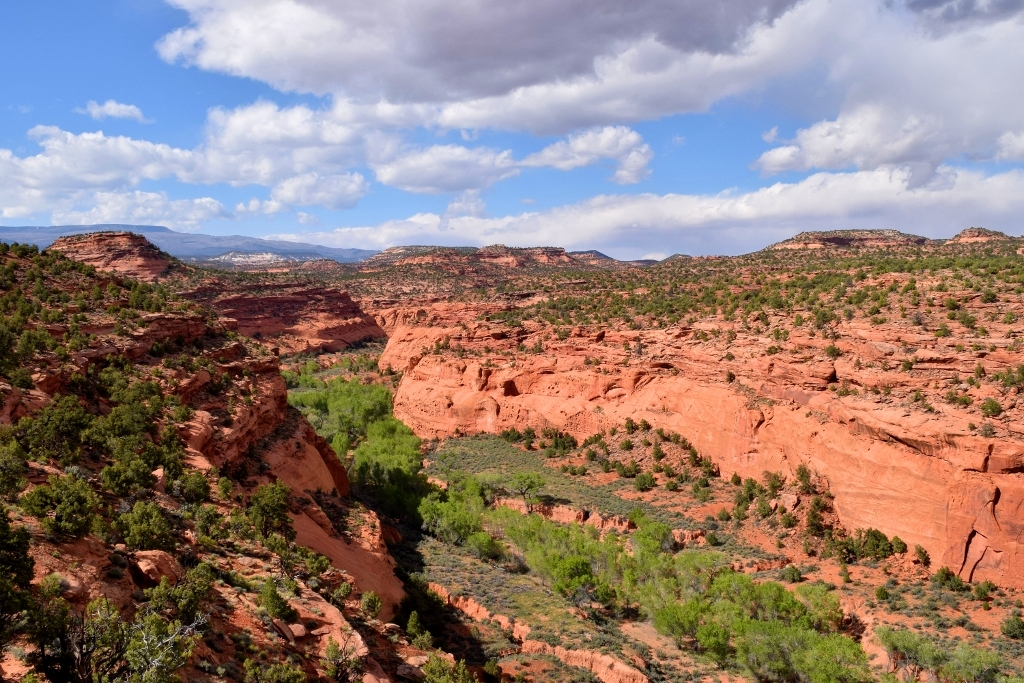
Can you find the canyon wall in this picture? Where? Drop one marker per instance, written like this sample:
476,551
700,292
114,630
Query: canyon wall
924,476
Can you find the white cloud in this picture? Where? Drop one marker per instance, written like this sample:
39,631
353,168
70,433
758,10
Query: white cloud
1010,147
727,222
620,143
917,93
331,191
469,203
447,168
307,218
453,168
403,50
113,109
143,208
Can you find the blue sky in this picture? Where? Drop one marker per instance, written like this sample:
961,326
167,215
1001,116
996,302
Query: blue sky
641,129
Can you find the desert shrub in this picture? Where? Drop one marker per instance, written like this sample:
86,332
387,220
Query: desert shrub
184,599
991,407
145,528
268,510
626,445
275,605
16,573
791,573
101,645
257,672
127,475
644,482
438,670
483,546
65,506
12,469
371,604
922,556
210,523
945,578
1013,627
193,487
341,593
54,433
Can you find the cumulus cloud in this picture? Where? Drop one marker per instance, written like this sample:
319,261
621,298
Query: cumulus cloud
143,208
113,109
624,145
1010,147
447,168
915,96
331,191
454,168
403,51
723,223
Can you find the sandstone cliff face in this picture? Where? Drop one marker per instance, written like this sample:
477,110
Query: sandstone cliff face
122,252
923,476
297,318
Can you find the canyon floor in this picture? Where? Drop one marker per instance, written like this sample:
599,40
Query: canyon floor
567,468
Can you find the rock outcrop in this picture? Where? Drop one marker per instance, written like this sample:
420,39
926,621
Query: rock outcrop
865,239
920,474
125,253
297,318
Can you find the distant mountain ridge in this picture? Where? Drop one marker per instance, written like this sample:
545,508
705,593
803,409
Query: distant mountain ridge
189,246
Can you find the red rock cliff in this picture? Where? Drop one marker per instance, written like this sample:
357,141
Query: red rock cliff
121,252
920,475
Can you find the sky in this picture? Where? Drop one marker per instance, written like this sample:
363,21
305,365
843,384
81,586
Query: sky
641,128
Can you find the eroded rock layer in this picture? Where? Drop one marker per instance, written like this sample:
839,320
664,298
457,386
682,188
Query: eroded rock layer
924,475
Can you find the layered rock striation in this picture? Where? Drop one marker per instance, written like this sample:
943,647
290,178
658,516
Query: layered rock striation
125,253
892,462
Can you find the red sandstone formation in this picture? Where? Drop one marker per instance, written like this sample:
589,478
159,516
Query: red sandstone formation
122,252
867,239
977,235
297,318
890,465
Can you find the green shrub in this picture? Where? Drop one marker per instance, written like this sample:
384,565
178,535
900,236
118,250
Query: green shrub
1013,627
990,407
438,670
193,487
341,593
12,470
644,482
16,573
371,604
626,445
268,510
65,506
145,528
54,433
791,574
274,604
922,556
256,672
483,546
945,578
